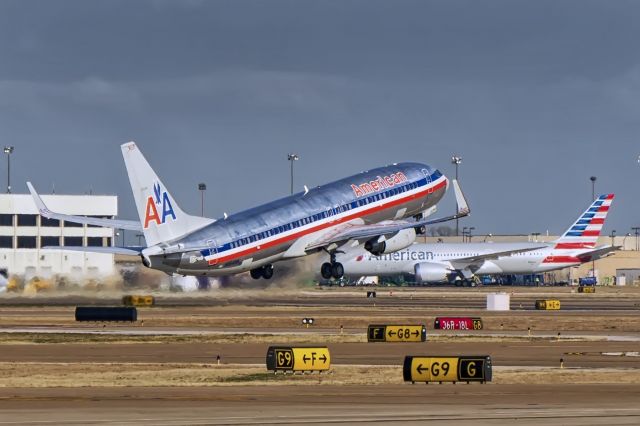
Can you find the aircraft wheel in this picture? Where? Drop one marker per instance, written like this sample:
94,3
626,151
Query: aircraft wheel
267,272
326,270
256,274
337,270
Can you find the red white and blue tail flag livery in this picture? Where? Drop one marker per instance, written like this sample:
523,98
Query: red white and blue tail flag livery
584,233
382,208
578,244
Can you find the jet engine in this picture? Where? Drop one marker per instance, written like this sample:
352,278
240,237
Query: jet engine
431,272
403,239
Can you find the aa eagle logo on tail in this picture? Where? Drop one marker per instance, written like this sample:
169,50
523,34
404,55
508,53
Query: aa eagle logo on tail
161,200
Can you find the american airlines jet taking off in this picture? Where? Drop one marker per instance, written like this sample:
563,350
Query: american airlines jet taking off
381,208
436,262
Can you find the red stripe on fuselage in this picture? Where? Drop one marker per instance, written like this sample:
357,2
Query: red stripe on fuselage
573,246
561,259
299,234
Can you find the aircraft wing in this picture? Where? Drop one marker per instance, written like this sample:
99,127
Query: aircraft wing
350,231
132,225
466,261
132,251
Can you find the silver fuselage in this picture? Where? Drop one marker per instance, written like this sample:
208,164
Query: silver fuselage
270,232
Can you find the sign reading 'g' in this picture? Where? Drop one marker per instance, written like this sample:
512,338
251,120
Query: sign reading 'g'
447,369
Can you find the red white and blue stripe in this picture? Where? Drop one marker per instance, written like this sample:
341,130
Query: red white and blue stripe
585,231
359,208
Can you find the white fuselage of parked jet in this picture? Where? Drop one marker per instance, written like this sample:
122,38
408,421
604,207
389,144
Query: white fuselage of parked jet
435,262
526,258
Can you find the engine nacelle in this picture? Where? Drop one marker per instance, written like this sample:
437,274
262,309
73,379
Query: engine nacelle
402,239
431,272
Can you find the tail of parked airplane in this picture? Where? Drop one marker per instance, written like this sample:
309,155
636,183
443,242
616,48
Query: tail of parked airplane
584,233
161,218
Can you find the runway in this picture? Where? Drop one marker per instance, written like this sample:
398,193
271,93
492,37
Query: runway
54,370
522,298
398,404
535,353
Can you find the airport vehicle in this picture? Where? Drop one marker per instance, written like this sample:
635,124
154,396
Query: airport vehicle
381,208
588,281
441,261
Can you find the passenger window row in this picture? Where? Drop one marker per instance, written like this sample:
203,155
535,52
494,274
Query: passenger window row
324,215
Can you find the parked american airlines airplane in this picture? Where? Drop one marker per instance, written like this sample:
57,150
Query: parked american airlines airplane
381,208
436,262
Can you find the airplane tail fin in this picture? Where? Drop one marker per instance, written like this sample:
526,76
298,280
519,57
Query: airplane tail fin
161,218
584,233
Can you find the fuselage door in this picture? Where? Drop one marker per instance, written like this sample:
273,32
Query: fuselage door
427,176
213,251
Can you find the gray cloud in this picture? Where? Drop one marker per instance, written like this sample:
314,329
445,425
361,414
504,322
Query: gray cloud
536,97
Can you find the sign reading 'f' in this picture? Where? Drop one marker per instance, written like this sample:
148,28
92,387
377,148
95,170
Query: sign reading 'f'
151,211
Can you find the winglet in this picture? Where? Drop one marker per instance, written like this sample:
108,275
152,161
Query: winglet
42,208
430,211
461,201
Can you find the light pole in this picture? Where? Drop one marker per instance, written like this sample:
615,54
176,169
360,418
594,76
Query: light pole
624,240
613,235
456,160
464,233
292,158
8,150
202,187
593,197
636,230
469,234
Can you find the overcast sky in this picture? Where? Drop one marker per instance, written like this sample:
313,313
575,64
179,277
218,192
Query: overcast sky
536,96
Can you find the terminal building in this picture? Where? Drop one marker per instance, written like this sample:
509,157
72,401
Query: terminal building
24,233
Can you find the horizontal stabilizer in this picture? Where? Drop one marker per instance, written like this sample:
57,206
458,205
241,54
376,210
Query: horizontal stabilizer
600,252
132,225
131,251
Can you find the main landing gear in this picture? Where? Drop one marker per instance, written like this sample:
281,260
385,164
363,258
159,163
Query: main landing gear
332,269
265,272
